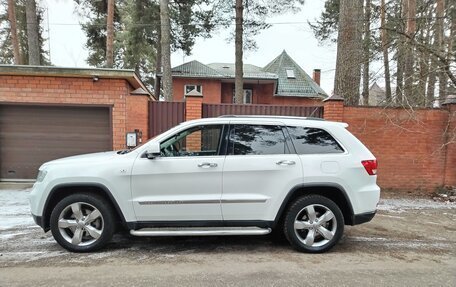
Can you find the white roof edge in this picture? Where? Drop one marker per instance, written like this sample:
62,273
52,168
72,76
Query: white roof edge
270,119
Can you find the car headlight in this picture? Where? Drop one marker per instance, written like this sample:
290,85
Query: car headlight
41,175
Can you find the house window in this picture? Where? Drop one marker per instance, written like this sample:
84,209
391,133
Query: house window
248,96
193,89
290,74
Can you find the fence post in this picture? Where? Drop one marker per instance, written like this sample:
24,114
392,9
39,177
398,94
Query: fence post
193,107
333,108
450,159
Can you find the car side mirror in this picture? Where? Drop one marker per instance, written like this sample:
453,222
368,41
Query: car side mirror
153,150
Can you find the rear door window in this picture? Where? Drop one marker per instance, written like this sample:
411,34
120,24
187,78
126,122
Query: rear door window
313,141
257,140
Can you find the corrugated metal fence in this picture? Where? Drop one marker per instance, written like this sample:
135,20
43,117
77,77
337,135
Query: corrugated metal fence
165,115
215,110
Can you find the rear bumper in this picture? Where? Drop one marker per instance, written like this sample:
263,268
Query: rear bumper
363,217
39,221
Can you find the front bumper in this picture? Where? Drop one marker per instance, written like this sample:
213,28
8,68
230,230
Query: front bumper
363,217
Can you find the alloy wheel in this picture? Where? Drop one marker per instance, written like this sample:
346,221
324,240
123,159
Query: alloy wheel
80,224
315,225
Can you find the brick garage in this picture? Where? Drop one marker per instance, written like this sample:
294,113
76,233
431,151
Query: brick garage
118,91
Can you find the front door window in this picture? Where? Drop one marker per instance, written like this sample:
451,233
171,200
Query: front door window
196,141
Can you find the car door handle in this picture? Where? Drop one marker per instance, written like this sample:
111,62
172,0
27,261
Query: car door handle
285,162
207,164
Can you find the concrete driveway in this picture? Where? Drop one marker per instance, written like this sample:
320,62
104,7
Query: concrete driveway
411,242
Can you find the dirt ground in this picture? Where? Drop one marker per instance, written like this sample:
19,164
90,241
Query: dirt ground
410,242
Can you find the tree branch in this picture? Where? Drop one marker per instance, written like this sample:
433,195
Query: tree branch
440,57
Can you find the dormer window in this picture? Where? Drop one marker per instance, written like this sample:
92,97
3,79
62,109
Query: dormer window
193,89
290,74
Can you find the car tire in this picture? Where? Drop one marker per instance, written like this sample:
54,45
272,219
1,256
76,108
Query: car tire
82,222
313,224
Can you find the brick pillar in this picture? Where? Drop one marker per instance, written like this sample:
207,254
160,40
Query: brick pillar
334,108
193,111
450,160
193,107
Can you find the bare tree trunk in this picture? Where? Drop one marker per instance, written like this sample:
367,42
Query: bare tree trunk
349,51
409,61
32,33
401,54
451,55
440,48
158,66
166,50
366,42
424,73
110,35
239,71
385,53
425,38
14,37
430,91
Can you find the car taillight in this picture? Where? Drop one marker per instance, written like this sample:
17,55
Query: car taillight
370,166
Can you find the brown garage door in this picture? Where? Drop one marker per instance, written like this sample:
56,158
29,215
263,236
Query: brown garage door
32,135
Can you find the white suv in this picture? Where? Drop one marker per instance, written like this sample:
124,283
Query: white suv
232,175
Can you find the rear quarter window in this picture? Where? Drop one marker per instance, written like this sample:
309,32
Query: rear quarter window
313,141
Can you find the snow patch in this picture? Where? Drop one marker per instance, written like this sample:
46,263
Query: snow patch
412,243
14,209
401,205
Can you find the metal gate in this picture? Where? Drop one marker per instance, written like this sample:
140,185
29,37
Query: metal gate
215,110
165,115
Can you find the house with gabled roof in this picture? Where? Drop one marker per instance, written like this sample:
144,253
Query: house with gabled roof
281,82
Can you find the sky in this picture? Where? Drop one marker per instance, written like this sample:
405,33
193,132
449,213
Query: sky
290,32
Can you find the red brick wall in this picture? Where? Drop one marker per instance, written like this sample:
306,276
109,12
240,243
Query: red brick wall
137,113
409,145
450,141
127,111
211,89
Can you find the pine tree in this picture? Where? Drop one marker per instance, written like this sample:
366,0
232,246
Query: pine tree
137,32
166,49
110,34
250,19
6,41
32,33
239,74
366,51
14,37
349,51
384,37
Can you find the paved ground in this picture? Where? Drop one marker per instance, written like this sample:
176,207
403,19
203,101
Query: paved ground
411,242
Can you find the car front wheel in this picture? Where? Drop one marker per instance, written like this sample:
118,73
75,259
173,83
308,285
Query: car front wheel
313,224
82,222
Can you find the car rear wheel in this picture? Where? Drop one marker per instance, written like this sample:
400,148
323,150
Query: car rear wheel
82,222
313,224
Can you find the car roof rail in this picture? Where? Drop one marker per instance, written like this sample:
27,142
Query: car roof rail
272,117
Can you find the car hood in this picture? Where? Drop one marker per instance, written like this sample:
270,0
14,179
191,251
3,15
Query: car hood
91,157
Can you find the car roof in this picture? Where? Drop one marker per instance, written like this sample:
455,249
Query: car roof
260,119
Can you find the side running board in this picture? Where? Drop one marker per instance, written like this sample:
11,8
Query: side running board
200,231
